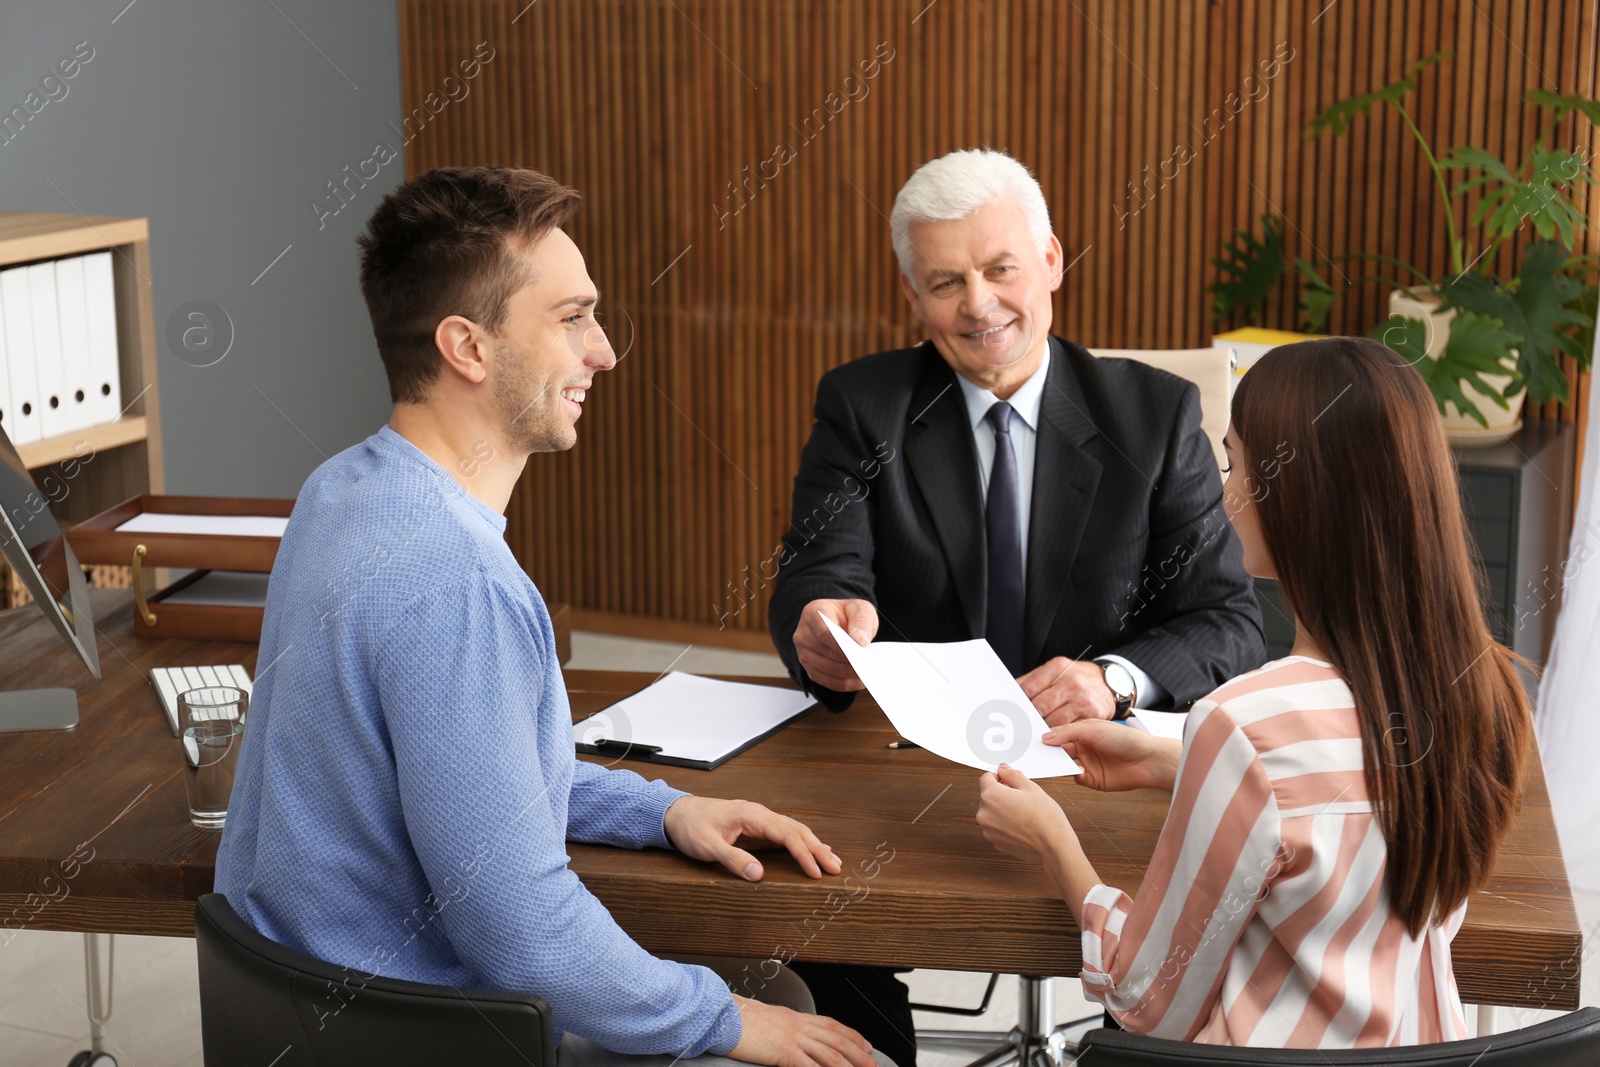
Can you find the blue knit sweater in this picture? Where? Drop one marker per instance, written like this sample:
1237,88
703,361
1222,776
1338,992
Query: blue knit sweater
407,781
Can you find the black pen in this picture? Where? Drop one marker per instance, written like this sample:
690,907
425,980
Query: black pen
622,749
902,744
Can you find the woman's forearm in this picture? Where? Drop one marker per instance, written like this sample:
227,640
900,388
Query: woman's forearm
1071,872
1165,762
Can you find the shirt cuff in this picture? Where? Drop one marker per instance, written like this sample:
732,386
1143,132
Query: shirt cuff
1147,692
1104,910
661,797
729,1028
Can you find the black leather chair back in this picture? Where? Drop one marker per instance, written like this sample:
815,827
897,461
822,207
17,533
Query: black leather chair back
262,1003
1570,1041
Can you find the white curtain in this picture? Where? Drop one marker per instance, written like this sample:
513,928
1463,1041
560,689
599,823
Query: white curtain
1568,719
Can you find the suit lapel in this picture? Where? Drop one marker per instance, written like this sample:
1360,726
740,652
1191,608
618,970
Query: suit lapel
944,462
1064,481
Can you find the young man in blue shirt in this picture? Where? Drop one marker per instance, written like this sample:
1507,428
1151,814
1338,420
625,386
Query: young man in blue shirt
407,782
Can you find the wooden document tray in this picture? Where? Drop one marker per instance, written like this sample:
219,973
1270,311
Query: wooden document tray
99,541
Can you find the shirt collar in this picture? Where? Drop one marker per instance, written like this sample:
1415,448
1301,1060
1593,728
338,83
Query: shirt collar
452,488
1026,401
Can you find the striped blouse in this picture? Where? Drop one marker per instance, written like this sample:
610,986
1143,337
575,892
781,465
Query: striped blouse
1264,917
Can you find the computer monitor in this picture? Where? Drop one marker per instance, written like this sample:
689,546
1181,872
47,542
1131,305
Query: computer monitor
38,552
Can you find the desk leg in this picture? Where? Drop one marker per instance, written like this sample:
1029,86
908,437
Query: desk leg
99,1007
1488,1019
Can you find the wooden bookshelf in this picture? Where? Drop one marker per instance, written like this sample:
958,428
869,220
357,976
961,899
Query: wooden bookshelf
27,236
128,430
123,457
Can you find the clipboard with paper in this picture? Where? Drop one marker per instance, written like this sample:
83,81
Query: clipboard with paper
684,720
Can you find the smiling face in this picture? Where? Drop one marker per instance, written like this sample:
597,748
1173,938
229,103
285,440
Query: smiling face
981,286
548,349
1239,502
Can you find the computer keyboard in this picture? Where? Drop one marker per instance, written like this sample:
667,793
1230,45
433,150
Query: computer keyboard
169,682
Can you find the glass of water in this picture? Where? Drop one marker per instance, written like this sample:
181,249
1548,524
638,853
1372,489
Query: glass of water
213,722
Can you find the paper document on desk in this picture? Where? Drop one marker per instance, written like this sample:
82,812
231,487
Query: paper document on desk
1168,724
154,522
957,700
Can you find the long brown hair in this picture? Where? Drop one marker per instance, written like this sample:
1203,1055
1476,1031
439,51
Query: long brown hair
1363,522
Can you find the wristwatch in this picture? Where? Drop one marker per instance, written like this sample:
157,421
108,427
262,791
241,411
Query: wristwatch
1120,682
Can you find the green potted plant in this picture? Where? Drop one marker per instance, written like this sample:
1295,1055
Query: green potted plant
1501,336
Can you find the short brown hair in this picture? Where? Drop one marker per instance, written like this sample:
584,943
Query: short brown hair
438,246
1365,530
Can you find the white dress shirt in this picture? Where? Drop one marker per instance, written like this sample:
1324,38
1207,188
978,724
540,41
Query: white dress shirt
1026,402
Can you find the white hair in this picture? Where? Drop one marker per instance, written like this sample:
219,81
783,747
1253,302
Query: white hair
955,185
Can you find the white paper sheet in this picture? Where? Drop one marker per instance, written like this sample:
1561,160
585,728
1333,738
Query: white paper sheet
217,525
692,717
957,700
1168,724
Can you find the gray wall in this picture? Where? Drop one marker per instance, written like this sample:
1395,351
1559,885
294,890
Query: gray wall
221,122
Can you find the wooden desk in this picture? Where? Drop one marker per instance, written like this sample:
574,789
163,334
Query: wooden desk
926,889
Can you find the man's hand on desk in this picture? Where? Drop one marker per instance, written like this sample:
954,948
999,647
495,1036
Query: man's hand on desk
1116,757
714,831
819,652
1066,690
788,1038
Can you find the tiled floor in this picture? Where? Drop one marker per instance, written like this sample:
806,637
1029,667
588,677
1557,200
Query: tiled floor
156,1006
156,1019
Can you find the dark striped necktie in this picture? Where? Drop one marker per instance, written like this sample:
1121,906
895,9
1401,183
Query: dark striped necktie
1003,521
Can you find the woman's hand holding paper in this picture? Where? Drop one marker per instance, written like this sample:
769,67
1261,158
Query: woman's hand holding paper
1116,757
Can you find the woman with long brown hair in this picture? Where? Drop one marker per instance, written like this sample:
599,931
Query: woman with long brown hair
1332,810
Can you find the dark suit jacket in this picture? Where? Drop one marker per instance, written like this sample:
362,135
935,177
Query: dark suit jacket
1129,550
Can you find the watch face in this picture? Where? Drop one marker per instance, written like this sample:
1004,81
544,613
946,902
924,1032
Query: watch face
1118,678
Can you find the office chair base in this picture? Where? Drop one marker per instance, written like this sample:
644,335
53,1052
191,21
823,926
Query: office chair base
1053,1050
1031,1042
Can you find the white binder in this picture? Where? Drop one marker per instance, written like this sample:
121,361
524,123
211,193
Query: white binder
26,425
105,375
5,377
73,321
54,415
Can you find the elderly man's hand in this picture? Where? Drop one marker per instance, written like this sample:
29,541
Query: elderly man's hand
1066,690
819,653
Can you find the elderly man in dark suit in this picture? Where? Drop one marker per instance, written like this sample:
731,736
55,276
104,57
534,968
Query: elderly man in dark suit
995,481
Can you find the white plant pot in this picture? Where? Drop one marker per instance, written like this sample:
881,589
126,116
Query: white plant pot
1459,429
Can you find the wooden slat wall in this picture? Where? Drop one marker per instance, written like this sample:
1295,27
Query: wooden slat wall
674,498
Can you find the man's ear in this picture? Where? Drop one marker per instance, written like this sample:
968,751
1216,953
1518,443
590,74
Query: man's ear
464,347
1054,257
908,290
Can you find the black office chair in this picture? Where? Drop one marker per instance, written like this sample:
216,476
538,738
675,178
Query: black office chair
263,1003
1570,1041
